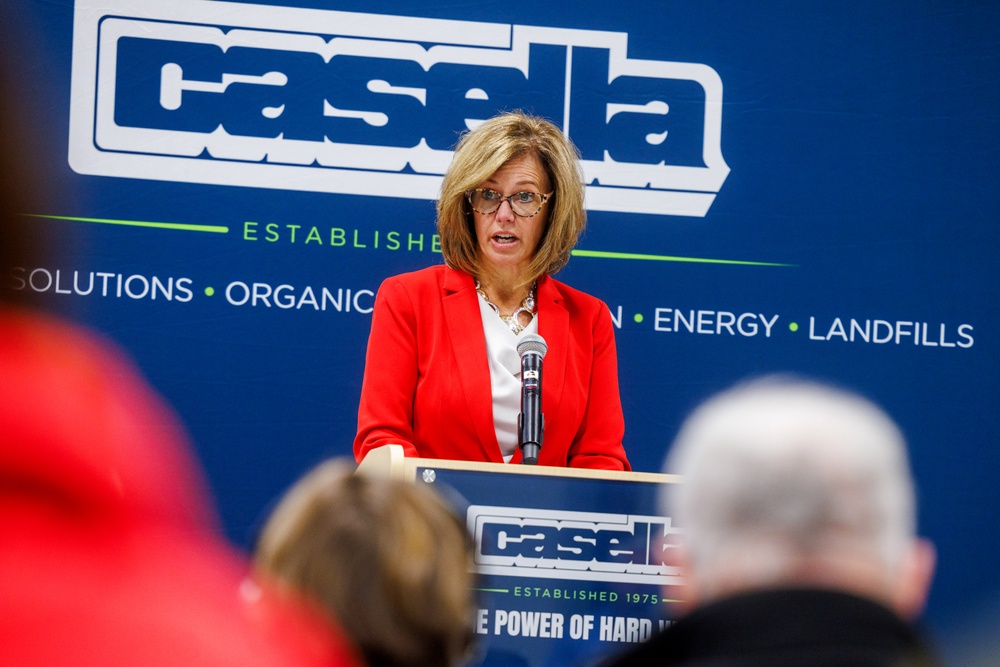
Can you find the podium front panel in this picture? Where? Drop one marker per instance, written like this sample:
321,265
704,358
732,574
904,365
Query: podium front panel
571,569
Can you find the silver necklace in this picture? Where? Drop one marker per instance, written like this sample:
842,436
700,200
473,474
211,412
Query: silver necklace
513,323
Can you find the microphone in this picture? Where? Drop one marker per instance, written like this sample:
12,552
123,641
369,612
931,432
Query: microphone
531,423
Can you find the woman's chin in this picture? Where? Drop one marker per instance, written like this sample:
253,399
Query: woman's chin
505,255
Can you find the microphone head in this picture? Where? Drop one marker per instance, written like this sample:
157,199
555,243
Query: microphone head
532,343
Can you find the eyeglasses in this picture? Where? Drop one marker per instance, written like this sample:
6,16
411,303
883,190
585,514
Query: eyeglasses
523,204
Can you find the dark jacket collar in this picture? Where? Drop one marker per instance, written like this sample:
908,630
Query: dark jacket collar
793,626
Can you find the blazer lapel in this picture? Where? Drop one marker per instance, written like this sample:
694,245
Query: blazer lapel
465,329
553,326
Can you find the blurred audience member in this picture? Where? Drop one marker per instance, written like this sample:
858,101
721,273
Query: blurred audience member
798,514
109,554
386,558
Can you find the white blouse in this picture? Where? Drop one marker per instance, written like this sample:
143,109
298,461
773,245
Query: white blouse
505,375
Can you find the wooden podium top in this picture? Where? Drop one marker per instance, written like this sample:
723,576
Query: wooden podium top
389,462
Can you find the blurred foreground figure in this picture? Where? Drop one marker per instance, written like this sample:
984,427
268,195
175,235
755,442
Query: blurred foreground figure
798,513
108,550
108,554
387,558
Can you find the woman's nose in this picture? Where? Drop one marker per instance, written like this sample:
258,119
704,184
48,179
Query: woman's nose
505,213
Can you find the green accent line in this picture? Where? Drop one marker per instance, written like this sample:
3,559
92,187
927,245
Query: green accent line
139,223
602,254
492,590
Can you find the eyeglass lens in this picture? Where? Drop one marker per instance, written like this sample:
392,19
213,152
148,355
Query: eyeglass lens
525,204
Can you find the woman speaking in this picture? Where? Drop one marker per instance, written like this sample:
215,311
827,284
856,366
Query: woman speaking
442,373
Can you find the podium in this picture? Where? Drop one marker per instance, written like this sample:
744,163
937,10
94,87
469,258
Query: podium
570,561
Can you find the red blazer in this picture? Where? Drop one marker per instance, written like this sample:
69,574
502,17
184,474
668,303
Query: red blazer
427,377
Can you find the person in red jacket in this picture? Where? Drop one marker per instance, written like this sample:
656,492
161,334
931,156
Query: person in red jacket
109,554
442,372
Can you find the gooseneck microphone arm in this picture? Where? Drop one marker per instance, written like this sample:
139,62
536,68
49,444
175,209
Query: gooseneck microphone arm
530,422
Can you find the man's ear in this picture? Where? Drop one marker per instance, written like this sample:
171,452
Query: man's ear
914,579
681,597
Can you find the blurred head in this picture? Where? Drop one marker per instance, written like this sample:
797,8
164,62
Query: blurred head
786,483
21,164
512,153
387,559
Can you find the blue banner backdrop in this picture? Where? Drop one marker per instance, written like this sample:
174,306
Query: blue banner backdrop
771,187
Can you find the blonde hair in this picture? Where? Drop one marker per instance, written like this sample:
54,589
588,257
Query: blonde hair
483,151
387,559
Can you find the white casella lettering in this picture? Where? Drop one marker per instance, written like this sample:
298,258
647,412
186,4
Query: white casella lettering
899,332
287,297
625,629
101,283
388,131
528,624
713,322
558,544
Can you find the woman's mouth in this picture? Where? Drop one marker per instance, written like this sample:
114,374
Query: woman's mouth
504,239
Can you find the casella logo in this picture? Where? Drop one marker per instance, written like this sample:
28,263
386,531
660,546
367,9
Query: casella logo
327,101
523,542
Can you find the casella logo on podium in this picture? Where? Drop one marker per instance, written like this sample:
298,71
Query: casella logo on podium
583,546
327,101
